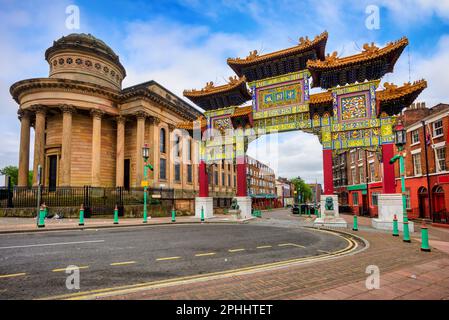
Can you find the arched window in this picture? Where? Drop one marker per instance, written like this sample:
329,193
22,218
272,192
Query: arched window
162,140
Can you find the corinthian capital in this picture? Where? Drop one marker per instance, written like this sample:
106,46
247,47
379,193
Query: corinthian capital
38,109
22,113
96,113
120,119
141,114
67,108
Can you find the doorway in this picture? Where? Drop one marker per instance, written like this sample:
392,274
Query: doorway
126,171
423,202
52,172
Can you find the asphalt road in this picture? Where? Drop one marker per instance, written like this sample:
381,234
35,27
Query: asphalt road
33,265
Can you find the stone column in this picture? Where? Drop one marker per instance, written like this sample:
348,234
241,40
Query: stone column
170,156
140,138
96,146
39,141
66,150
24,151
154,148
120,164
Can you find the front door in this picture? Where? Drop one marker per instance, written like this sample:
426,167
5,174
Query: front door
52,172
126,180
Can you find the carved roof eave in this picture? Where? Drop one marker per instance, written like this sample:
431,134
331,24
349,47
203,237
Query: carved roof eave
373,53
315,44
24,86
394,92
154,97
238,84
188,125
242,112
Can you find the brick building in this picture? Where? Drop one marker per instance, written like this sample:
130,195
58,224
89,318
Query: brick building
357,173
261,183
284,191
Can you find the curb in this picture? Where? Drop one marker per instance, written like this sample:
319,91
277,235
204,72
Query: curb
112,226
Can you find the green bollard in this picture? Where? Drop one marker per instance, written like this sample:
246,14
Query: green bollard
424,238
202,214
81,223
406,232
355,226
116,215
395,227
173,215
45,210
41,223
308,211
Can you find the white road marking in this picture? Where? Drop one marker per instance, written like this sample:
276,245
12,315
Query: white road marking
52,244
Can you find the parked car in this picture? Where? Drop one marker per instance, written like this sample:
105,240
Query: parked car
295,209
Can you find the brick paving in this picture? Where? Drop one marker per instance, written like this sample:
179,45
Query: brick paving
405,273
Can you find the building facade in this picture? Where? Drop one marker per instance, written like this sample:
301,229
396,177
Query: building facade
358,173
285,192
90,131
261,183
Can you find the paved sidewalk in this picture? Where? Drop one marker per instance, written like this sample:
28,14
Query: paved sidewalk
9,225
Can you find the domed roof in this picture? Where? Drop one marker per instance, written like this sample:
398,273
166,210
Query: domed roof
87,43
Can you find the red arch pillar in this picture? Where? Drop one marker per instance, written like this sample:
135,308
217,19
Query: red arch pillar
241,177
327,172
388,181
203,180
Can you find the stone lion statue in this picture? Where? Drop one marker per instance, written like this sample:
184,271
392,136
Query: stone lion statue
329,204
234,205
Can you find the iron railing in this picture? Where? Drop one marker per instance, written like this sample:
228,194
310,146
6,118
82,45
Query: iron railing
440,217
98,200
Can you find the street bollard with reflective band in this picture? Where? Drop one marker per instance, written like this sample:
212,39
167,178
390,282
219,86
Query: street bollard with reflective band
395,227
355,226
116,215
406,232
81,223
202,214
173,215
41,223
424,238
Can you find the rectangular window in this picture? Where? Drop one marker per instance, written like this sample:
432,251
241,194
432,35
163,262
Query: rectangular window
416,158
360,154
189,150
372,172
177,172
374,198
438,128
235,181
216,178
355,198
415,136
441,159
223,181
189,173
353,176
229,180
162,169
352,157
361,175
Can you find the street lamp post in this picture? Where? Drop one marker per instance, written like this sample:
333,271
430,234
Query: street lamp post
400,140
145,155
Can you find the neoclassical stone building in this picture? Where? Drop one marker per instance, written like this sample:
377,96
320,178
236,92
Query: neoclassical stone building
90,131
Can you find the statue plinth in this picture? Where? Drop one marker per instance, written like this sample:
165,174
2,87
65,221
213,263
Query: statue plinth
235,213
330,216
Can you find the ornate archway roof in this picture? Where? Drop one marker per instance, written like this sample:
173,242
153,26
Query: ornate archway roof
393,98
256,66
372,63
212,97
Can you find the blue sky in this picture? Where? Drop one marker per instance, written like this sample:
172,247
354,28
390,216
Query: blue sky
183,44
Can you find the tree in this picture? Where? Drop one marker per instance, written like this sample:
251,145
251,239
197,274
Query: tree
13,172
302,189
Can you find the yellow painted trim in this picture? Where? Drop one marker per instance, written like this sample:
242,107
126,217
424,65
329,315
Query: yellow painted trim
12,275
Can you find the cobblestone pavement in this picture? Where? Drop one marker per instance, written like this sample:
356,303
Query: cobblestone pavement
405,272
